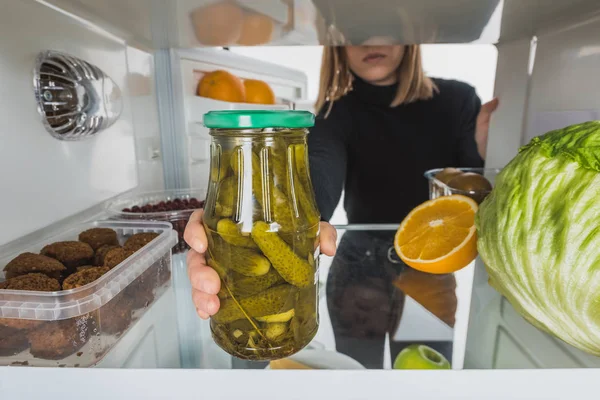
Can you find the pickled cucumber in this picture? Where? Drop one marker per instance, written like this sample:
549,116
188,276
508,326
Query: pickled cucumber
304,244
283,317
218,268
274,202
292,268
240,331
223,293
219,163
303,187
279,156
276,330
241,260
241,285
275,300
244,286
231,234
306,314
237,165
227,197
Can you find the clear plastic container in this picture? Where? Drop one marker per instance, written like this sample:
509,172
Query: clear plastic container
437,188
178,218
263,231
77,327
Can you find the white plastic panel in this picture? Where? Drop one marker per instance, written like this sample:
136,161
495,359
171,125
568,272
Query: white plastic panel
155,384
43,179
506,125
564,89
509,355
130,19
142,90
455,21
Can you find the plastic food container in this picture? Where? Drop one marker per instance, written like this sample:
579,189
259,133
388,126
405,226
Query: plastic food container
178,218
262,224
437,188
77,327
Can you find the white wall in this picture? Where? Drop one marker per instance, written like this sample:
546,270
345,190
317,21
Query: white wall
472,63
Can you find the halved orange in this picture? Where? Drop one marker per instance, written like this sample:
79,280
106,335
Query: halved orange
439,236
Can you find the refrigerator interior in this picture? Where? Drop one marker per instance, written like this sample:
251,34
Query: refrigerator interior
548,57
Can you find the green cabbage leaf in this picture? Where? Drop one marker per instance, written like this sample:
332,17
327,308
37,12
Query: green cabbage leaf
539,234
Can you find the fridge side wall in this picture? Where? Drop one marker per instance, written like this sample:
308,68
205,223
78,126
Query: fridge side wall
559,90
44,179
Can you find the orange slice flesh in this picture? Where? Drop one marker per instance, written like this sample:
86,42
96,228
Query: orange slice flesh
439,236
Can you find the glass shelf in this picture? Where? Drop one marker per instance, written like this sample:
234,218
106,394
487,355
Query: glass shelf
372,306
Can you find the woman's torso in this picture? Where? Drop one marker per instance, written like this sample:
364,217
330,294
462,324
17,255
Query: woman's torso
389,149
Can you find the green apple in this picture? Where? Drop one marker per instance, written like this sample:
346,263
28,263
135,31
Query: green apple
419,356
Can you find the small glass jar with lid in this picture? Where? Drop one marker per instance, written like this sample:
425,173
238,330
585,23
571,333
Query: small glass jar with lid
262,223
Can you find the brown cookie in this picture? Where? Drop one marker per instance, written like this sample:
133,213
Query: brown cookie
72,254
139,240
115,316
98,237
101,253
84,267
83,277
36,282
116,256
31,263
56,340
140,292
12,341
20,324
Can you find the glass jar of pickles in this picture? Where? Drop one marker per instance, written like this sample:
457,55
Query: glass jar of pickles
262,224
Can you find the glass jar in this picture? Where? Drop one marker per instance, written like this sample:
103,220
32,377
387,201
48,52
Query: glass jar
262,224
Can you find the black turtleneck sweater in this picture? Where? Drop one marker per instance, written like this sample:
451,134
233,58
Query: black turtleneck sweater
378,154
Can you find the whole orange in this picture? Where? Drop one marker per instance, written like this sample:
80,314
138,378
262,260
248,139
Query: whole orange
222,85
256,29
258,92
218,24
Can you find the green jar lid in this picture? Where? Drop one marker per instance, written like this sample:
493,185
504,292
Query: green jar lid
258,119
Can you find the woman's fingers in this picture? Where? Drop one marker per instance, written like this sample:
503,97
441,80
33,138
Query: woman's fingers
202,314
206,304
202,277
328,239
205,281
195,235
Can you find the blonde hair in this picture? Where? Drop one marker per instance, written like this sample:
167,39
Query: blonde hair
336,78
